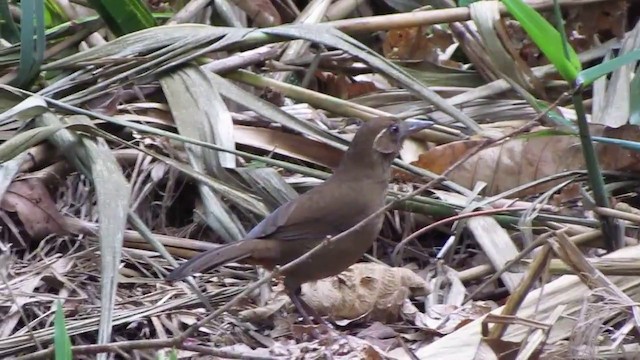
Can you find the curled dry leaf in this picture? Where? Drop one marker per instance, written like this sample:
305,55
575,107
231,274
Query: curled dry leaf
30,200
519,161
365,289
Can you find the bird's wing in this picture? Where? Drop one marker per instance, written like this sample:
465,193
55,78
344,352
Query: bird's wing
274,222
311,216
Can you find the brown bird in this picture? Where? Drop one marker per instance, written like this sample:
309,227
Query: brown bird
357,189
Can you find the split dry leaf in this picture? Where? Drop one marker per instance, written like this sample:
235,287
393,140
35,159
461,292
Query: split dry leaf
520,161
365,289
30,200
295,146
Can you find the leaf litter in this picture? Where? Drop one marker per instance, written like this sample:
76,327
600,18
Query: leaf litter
454,292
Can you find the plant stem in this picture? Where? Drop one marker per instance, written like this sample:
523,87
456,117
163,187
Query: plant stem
610,228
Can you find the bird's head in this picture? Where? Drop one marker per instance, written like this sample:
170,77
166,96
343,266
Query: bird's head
379,141
391,133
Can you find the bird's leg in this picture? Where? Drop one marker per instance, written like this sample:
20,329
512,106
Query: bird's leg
297,302
304,309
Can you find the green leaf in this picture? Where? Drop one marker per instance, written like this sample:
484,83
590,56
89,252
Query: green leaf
32,42
124,16
25,140
61,340
53,15
546,133
173,355
199,112
546,37
588,76
96,161
625,144
8,29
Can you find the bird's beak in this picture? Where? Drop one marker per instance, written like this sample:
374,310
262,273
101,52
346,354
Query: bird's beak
411,126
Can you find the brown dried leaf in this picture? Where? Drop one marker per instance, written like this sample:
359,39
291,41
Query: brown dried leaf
365,289
261,12
438,159
520,161
585,23
31,201
586,26
415,44
381,336
342,86
262,312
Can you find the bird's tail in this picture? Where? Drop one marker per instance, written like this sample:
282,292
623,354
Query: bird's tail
211,259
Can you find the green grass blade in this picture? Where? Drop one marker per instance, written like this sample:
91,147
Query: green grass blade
8,29
546,37
32,42
634,105
61,340
53,15
25,140
588,76
625,144
124,16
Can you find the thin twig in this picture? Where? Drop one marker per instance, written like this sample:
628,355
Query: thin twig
403,243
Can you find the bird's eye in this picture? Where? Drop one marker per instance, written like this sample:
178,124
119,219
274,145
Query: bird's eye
394,129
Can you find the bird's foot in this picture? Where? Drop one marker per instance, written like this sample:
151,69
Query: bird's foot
322,334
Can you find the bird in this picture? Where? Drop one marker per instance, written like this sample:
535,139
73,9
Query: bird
356,190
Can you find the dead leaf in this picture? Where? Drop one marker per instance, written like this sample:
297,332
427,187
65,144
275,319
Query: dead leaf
343,87
365,289
445,319
417,43
439,159
262,312
586,27
261,12
381,336
585,23
30,200
522,160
